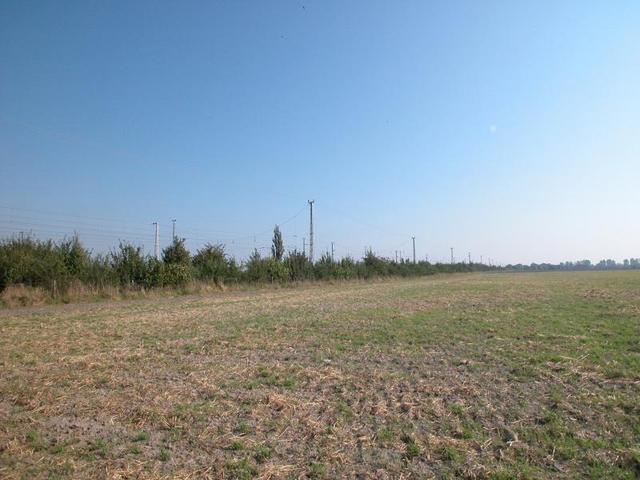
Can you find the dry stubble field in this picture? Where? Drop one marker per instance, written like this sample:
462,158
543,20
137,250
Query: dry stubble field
459,376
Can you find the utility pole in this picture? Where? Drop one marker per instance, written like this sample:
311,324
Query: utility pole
156,246
451,255
469,258
396,256
304,246
311,230
480,259
414,249
332,251
174,229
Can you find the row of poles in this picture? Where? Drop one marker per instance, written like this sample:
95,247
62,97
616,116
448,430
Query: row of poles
156,247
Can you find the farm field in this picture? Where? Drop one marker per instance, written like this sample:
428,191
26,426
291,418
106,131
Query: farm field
452,376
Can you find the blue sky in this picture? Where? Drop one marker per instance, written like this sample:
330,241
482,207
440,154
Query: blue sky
505,129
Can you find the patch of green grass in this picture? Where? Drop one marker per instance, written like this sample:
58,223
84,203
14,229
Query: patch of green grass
251,384
190,348
411,448
164,455
61,471
240,469
175,434
504,473
35,440
262,453
456,409
524,372
100,447
467,433
449,453
236,446
141,437
344,410
57,449
269,377
102,381
385,434
194,411
243,428
317,470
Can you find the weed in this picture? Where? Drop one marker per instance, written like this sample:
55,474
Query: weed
450,454
190,348
344,410
456,409
262,453
412,449
57,449
100,447
385,435
317,470
35,440
164,455
236,446
240,469
141,437
243,428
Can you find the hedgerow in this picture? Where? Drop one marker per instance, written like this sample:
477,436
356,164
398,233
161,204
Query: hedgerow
55,266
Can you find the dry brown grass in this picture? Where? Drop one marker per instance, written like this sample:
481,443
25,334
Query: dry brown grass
468,376
23,296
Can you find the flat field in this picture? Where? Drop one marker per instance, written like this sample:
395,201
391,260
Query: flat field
453,376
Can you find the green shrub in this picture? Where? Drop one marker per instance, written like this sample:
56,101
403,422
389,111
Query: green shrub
176,253
212,263
176,275
154,273
128,265
259,269
46,265
275,271
326,268
298,266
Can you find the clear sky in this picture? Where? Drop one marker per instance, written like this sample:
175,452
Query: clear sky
507,129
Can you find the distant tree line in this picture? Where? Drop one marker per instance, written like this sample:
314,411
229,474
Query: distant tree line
56,266
627,263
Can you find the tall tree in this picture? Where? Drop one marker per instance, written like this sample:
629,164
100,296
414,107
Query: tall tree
277,247
176,253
